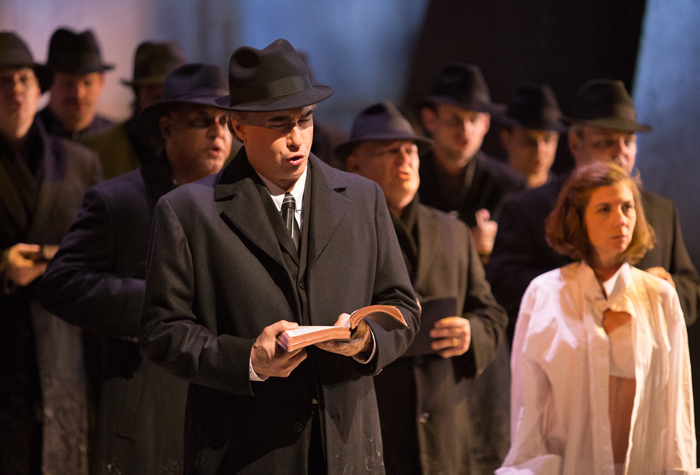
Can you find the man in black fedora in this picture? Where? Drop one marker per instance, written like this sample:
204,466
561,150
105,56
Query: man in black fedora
530,132
603,129
43,178
457,176
97,279
444,267
72,109
228,274
128,146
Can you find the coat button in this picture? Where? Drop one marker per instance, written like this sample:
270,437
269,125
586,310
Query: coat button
302,284
298,427
424,418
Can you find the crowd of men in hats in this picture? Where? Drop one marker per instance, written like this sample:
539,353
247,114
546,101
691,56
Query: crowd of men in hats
140,315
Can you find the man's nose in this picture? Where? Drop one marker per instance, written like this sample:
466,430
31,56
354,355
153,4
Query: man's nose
294,138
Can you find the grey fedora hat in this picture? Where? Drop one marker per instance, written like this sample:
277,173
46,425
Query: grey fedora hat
76,53
381,121
271,79
534,106
605,103
14,52
464,86
192,83
154,61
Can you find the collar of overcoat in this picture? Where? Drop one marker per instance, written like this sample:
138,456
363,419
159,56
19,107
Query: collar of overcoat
238,189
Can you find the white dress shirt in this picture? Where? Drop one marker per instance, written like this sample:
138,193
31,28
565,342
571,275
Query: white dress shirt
561,367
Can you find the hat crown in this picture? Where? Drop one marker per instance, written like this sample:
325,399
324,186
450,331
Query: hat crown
535,106
462,85
75,53
273,78
194,80
381,121
154,61
604,99
14,51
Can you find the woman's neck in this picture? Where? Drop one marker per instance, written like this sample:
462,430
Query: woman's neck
604,272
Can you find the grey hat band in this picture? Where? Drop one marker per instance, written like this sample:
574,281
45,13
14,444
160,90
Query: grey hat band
278,88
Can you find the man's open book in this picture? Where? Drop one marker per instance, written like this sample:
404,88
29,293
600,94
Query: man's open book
387,316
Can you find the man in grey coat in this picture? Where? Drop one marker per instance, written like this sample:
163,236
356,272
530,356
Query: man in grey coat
227,275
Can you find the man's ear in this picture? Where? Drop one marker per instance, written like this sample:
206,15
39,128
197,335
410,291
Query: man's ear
352,164
165,126
238,129
429,119
486,117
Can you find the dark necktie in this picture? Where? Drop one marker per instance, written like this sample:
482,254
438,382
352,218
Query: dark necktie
289,206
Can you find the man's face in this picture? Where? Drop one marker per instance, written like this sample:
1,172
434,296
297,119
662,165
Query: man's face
197,141
604,145
19,95
393,165
278,143
458,133
74,98
530,151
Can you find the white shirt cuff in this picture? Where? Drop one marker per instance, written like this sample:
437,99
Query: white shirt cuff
374,350
252,375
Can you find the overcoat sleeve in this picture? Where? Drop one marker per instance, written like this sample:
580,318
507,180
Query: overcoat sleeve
80,285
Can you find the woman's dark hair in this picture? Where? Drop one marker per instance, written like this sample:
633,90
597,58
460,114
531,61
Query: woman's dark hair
566,226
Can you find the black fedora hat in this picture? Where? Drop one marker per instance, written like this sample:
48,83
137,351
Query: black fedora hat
605,103
76,53
154,61
381,121
192,83
271,79
464,86
534,106
15,53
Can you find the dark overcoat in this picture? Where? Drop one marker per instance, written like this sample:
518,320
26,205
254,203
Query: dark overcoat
96,281
36,346
434,411
487,183
219,273
521,252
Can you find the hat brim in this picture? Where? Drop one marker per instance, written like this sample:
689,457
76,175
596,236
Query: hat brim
148,118
549,126
149,81
86,70
476,106
343,150
291,101
622,125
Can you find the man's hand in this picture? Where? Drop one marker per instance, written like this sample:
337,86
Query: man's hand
662,274
268,359
614,320
360,346
484,233
21,267
453,335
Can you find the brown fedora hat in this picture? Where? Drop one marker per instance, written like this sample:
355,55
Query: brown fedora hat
534,106
605,103
464,86
76,53
192,83
272,79
381,121
154,61
15,53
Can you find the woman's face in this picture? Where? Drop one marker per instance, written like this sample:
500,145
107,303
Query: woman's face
610,219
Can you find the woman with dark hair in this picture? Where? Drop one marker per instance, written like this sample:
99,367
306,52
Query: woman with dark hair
600,367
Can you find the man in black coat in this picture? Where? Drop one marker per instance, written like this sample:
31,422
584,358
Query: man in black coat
96,280
457,176
603,128
424,429
72,108
43,416
228,274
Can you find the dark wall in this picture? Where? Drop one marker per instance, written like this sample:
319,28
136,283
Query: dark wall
560,43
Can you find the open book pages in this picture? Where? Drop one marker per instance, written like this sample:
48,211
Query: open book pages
387,316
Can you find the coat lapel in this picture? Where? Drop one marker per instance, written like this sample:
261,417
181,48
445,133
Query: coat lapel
328,207
242,207
427,233
11,201
54,164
